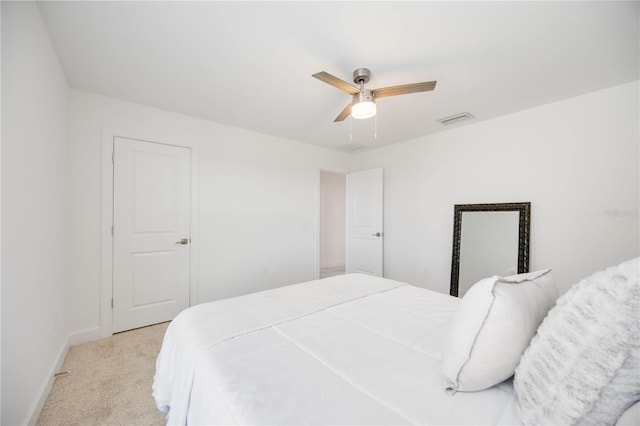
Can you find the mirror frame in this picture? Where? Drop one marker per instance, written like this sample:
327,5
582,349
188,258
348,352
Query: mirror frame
524,222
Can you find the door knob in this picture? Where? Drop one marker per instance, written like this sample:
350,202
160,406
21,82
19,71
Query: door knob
377,234
183,241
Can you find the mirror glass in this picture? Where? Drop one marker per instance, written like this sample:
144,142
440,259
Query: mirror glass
489,239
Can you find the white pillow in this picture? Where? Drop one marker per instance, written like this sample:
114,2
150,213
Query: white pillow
583,366
496,320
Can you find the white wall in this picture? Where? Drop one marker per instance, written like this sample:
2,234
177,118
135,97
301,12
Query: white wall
575,160
35,273
332,219
0,227
258,201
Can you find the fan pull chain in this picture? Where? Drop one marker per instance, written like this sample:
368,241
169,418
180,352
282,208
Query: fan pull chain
375,127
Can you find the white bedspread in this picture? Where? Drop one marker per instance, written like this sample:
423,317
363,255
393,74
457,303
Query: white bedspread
352,349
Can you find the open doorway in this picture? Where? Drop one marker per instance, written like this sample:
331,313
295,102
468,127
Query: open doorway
332,223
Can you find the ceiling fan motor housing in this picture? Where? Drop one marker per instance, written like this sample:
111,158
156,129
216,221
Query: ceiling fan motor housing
361,75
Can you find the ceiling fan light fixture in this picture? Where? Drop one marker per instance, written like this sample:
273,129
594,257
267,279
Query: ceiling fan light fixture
363,106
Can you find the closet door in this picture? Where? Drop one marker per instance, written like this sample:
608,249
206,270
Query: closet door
151,251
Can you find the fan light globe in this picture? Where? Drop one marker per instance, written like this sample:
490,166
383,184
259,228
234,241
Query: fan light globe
363,110
363,105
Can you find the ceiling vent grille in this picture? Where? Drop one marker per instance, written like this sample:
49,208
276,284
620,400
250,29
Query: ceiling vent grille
456,118
351,147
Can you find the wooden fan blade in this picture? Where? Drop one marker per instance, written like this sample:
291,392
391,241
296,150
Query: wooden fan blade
336,82
344,114
404,89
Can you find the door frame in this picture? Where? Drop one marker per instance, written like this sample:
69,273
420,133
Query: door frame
346,212
106,218
319,213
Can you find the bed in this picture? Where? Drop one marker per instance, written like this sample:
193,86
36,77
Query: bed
350,349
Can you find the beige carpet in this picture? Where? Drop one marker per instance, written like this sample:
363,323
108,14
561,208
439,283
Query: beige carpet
109,382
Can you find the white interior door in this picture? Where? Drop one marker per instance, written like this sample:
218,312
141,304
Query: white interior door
364,222
151,210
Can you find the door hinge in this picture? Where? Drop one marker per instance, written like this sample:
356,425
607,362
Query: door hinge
112,230
113,157
112,303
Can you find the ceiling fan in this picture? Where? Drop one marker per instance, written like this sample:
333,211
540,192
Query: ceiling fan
363,104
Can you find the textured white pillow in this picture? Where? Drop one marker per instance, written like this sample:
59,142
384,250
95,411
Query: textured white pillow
583,366
496,320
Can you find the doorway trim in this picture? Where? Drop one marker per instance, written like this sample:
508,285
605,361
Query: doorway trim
106,218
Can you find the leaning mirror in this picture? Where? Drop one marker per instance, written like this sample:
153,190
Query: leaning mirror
488,239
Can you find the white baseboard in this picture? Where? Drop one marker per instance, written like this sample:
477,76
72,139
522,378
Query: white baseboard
75,338
38,404
84,336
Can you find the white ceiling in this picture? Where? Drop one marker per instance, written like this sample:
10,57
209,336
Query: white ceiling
249,64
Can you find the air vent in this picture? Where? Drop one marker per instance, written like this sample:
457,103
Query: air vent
351,147
456,118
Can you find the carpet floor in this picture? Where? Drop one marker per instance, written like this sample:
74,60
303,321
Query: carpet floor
109,382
